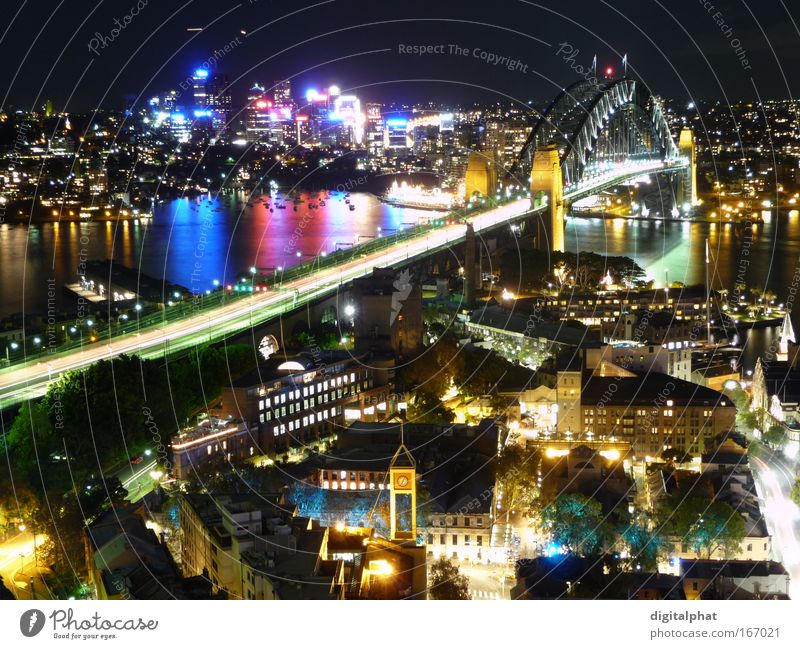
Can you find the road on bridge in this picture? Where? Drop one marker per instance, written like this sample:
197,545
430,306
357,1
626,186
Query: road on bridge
29,380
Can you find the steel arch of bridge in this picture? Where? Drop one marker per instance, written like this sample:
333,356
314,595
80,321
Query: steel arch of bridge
593,122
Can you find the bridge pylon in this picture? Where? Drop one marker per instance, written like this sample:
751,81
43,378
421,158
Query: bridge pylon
687,182
547,177
481,176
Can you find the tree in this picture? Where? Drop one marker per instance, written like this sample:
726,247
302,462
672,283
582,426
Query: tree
515,470
446,582
28,439
575,523
427,408
644,540
796,491
433,370
480,372
775,436
675,455
748,419
4,592
706,526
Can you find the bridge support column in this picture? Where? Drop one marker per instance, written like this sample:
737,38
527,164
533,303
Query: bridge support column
546,177
481,176
687,181
469,267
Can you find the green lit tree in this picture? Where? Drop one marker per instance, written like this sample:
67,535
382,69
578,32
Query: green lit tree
644,540
446,582
707,526
796,491
576,523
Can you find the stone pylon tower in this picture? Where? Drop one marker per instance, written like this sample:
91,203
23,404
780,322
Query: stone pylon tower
546,177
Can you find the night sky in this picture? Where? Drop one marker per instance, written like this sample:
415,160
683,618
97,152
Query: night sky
676,47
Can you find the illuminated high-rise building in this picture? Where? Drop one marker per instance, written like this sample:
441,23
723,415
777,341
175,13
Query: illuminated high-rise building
257,114
374,130
346,119
200,88
282,92
395,137
212,99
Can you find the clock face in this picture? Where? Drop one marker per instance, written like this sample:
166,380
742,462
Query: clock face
402,481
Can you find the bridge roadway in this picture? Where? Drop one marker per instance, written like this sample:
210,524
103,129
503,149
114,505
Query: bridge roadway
31,379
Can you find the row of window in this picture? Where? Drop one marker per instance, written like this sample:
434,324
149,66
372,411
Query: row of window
336,484
307,391
453,521
306,420
362,475
468,539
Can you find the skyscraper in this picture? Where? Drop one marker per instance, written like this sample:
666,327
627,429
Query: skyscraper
257,114
374,130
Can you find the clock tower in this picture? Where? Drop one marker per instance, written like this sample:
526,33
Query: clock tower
403,494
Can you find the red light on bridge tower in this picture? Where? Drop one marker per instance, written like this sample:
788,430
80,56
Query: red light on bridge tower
609,72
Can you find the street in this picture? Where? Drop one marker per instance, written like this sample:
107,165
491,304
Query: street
18,566
774,475
486,581
136,478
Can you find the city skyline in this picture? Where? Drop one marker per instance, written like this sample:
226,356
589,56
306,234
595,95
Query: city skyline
351,301
522,33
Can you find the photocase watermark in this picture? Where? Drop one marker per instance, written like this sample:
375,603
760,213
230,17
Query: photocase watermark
350,184
736,45
453,49
67,626
31,622
196,277
162,457
569,54
102,41
291,245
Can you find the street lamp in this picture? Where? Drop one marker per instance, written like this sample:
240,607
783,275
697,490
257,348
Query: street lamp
12,346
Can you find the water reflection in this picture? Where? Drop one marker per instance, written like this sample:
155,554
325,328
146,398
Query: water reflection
191,242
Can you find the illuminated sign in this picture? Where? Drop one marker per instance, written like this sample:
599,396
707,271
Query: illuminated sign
313,95
263,103
268,346
200,73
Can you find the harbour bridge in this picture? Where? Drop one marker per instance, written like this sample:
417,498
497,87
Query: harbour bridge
594,135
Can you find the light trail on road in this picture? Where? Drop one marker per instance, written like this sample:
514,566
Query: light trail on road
31,380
